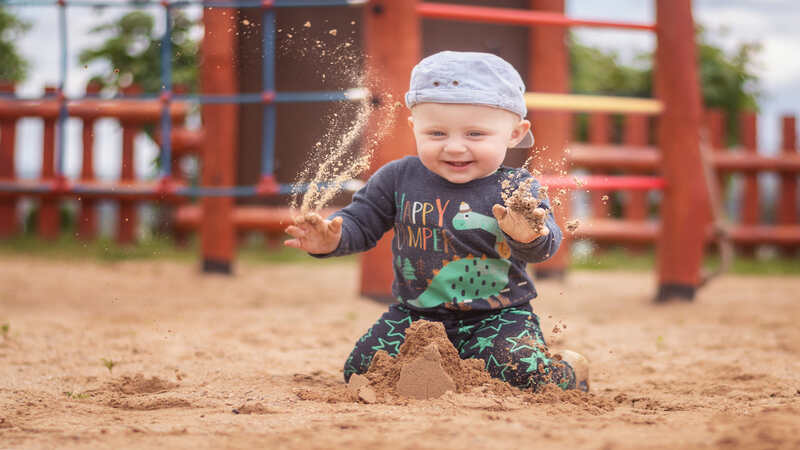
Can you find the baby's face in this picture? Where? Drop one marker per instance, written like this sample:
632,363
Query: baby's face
461,143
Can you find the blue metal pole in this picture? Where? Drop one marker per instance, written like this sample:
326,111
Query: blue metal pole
62,104
268,88
166,93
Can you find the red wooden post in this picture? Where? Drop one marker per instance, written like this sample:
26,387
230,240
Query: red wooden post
126,230
392,41
715,123
8,205
49,220
685,210
127,208
787,210
87,219
636,134
599,130
751,207
548,71
218,76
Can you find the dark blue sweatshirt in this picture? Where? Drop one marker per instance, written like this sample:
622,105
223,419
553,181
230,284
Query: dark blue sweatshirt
448,251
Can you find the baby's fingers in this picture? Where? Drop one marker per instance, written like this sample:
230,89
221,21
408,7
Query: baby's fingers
295,232
294,243
499,212
335,225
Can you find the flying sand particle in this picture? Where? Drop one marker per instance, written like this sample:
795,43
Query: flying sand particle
572,225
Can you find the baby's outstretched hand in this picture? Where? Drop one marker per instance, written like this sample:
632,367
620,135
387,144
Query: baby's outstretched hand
314,234
518,226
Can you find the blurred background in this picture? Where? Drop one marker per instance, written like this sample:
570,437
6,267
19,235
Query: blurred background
747,60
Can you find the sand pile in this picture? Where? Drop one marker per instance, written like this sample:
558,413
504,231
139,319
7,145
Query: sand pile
427,366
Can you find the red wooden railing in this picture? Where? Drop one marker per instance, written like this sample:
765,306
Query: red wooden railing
633,155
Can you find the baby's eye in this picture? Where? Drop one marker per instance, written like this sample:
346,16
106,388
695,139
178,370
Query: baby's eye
475,134
436,133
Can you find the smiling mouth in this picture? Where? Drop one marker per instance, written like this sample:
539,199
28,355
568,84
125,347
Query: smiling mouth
458,163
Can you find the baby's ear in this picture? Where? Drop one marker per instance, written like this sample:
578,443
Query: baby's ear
519,132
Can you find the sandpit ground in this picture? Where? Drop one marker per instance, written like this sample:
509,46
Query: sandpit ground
188,350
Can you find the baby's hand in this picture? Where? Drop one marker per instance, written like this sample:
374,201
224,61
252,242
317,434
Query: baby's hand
314,234
517,226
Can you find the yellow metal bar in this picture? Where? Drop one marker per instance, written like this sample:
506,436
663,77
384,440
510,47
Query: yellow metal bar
592,103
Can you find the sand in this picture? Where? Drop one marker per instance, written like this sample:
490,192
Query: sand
254,360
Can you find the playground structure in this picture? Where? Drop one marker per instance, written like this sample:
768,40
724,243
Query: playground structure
685,209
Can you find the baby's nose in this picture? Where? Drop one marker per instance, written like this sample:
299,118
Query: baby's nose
454,146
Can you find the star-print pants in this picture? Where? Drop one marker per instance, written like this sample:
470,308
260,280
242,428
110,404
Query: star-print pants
509,341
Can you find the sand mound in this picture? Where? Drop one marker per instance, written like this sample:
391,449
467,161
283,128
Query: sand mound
148,404
138,384
427,366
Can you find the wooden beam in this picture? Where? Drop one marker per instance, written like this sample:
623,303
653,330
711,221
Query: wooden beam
591,103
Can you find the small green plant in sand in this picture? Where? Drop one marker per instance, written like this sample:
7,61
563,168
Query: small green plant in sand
76,395
4,329
109,363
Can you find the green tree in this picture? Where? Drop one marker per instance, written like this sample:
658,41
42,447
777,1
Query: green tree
727,80
13,67
133,53
408,270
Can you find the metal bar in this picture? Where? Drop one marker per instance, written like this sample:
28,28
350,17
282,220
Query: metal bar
352,94
185,3
268,85
151,189
62,81
166,92
516,17
600,182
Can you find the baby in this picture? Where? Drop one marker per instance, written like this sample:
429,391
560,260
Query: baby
459,255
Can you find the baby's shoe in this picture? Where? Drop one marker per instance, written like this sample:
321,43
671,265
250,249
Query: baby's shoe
580,365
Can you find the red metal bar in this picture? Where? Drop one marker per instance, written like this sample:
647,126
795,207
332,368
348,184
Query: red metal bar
8,206
604,182
548,71
599,130
636,134
509,16
218,76
787,210
685,210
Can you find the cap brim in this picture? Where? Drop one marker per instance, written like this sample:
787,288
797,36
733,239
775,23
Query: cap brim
526,142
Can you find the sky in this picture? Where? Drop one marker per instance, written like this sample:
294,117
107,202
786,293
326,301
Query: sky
730,23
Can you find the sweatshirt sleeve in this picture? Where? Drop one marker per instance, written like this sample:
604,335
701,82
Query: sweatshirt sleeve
543,247
369,215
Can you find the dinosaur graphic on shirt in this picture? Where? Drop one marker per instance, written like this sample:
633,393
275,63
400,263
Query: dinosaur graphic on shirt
463,279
